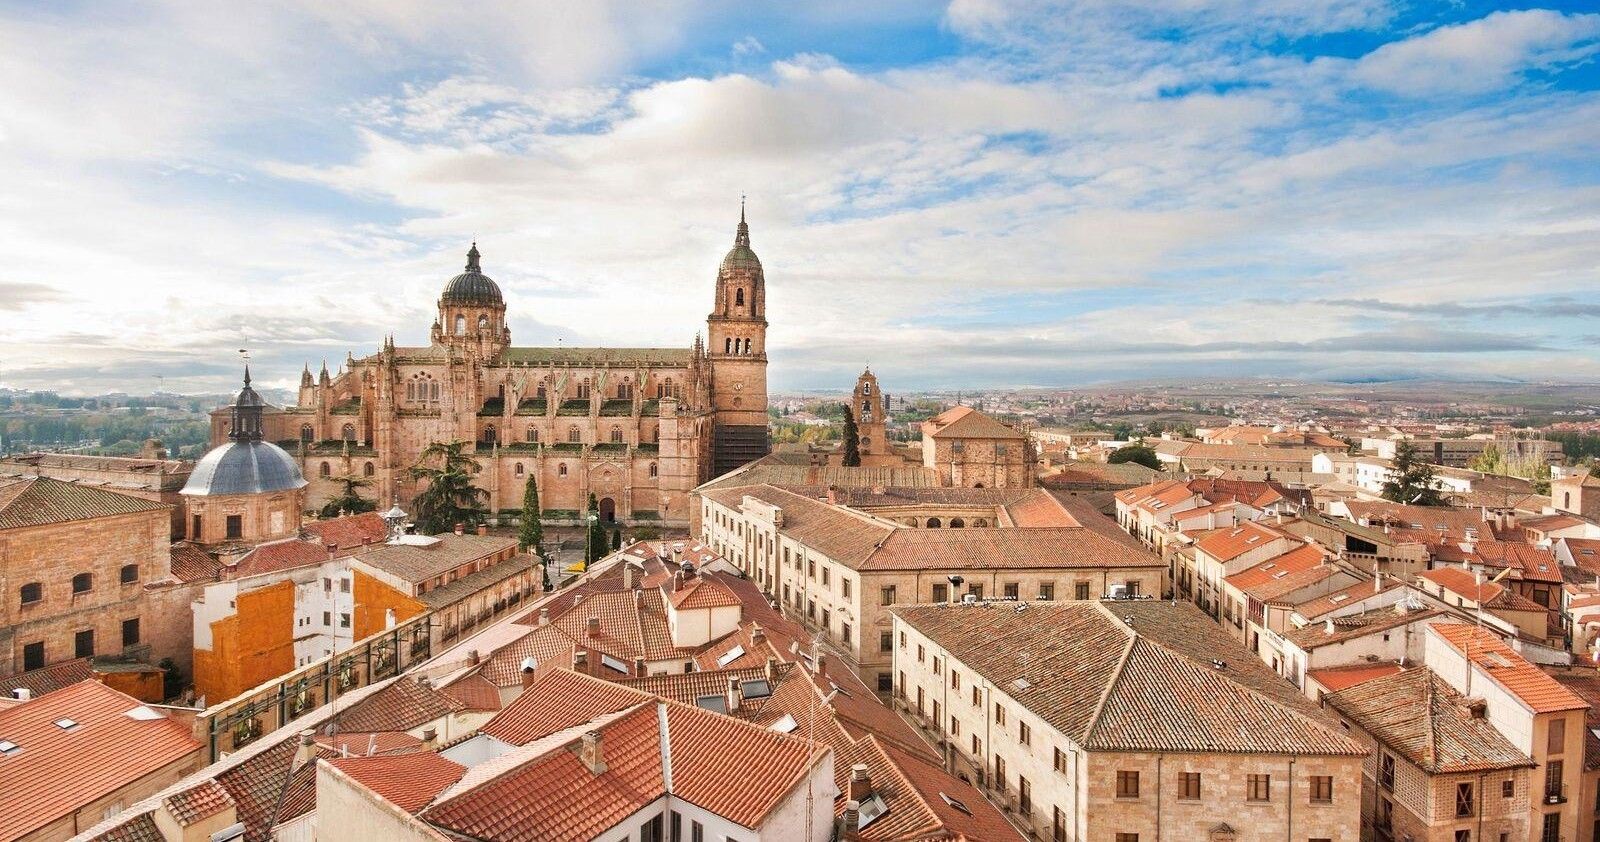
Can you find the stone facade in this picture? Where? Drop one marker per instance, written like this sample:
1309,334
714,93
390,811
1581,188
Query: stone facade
637,427
120,555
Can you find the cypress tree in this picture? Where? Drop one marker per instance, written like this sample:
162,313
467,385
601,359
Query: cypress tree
531,534
852,440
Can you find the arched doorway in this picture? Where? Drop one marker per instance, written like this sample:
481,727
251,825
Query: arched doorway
608,510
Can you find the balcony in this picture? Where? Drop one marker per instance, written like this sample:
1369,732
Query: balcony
1555,794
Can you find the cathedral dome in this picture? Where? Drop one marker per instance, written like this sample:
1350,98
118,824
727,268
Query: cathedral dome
740,258
472,287
244,467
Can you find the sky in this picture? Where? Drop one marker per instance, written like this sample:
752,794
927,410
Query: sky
984,193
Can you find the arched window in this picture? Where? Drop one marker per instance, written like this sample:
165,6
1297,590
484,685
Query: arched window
747,345
461,325
411,390
324,470
561,469
957,523
518,469
306,432
653,470
368,470
866,388
980,523
664,388
34,592
625,391
738,297
933,523
574,435
82,583
539,393
489,434
433,391
483,323
533,434
348,433
727,346
616,435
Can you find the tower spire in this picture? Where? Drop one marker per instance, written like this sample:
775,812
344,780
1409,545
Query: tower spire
472,258
742,238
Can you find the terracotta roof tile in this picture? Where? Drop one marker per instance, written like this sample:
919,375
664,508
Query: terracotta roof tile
964,422
401,706
1346,597
417,563
199,802
1351,626
269,789
702,592
140,828
47,679
368,743
409,781
1146,686
1297,560
563,699
1231,542
37,501
1338,678
192,564
1419,716
350,531
474,693
1540,692
288,554
58,770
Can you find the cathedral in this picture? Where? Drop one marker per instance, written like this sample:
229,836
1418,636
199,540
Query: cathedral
636,427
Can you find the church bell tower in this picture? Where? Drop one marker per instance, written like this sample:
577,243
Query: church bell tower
737,348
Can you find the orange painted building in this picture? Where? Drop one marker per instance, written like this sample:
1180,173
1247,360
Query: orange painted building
252,645
374,600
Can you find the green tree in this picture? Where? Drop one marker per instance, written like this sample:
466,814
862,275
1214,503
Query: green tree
1489,461
349,499
1411,480
597,541
450,497
852,440
531,533
1137,453
616,539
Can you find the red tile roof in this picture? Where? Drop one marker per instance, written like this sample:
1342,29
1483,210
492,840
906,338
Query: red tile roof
1338,678
702,592
192,564
47,679
37,501
1417,715
563,699
1540,692
1346,597
1298,560
360,743
474,693
1231,542
288,554
964,422
350,531
58,770
199,802
409,781
401,706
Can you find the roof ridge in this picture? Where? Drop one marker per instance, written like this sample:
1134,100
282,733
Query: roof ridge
1116,676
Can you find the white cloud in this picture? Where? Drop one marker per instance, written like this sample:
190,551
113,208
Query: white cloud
1481,55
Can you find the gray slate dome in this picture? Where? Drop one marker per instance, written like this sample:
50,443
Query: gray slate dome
472,286
244,467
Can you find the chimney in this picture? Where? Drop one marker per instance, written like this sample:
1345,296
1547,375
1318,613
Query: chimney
544,616
1327,626
638,598
430,737
483,529
757,636
22,694
860,783
1377,581
735,698
461,529
473,658
591,753
627,577
580,660
850,823
772,669
833,496
306,752
530,668
878,489
425,682
594,626
677,581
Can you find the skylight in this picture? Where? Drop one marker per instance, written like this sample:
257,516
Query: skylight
716,703
1340,597
785,724
1252,539
731,655
613,663
755,689
1022,683
66,724
870,809
956,803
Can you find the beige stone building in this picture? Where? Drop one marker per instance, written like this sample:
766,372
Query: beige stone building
840,559
969,449
150,475
637,427
1577,494
1124,721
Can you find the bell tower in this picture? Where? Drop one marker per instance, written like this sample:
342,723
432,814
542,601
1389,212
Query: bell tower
871,411
737,350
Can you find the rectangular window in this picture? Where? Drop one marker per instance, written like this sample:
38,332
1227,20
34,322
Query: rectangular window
886,595
902,640
977,697
130,573
1000,773
1386,772
999,714
1081,591
885,641
1556,736
824,576
344,621
1058,825
697,832
235,526
921,652
844,588
1047,590
677,826
1024,733
941,592
1259,788
955,679
1025,796
955,727
844,632
977,746
976,590
83,644
885,682
344,586
130,632
1060,761
1127,783
327,618
1127,837
1508,789
33,655
1012,589
1552,828
1191,786
1552,780
650,831
1321,789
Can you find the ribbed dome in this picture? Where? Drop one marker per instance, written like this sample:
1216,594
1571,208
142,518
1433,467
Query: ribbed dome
741,258
244,467
472,286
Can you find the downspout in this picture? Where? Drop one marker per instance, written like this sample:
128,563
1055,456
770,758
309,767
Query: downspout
1159,758
1289,835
